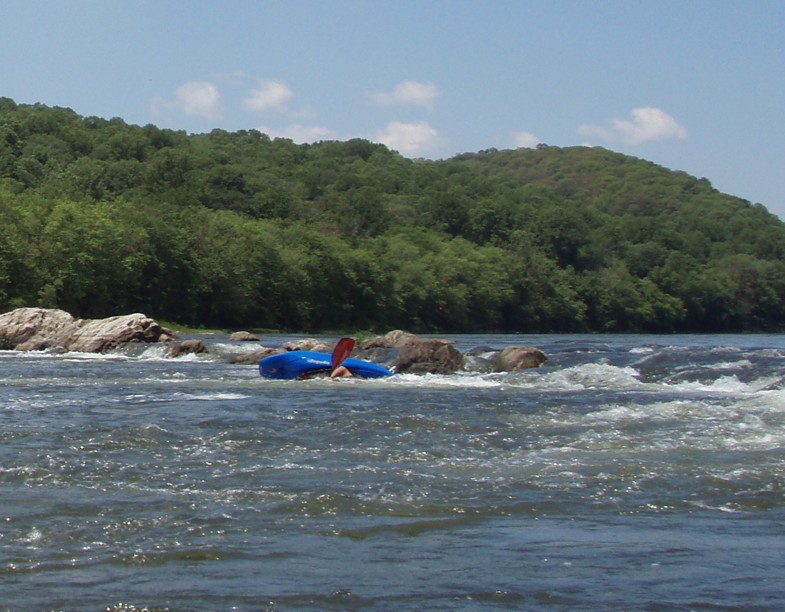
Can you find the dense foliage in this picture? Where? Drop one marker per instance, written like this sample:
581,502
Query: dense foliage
99,217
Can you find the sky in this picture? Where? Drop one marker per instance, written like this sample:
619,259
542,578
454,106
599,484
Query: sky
692,85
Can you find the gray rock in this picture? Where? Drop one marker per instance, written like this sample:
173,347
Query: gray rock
394,339
243,336
101,335
28,329
307,344
35,329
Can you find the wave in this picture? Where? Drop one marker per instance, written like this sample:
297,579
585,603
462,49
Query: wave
580,377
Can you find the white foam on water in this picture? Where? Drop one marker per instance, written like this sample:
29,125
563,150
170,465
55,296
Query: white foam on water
157,352
154,352
33,537
236,348
592,376
461,379
731,365
211,397
77,356
468,380
722,508
721,384
576,378
743,425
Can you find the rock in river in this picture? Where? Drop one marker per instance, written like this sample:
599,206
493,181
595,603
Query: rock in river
29,329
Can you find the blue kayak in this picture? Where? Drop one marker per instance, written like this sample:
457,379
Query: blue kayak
301,364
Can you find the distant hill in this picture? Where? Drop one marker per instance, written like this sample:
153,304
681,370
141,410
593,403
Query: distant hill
100,217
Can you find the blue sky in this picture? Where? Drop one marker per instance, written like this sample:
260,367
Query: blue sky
693,85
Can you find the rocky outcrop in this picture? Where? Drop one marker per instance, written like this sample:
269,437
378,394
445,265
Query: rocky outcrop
102,335
35,329
28,329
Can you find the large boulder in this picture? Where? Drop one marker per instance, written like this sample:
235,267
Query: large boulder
515,358
29,329
429,356
101,335
411,353
35,329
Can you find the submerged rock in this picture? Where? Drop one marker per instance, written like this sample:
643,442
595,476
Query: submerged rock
187,347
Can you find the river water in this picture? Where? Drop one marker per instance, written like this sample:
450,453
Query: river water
629,472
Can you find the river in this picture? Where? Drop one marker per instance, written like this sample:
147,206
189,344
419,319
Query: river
629,472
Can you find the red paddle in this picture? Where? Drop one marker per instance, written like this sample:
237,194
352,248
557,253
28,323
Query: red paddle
341,351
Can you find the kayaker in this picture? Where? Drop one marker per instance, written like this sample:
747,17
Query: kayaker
341,372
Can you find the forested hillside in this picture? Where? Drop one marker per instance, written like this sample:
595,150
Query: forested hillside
99,217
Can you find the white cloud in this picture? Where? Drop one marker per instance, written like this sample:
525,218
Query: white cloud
300,133
199,99
408,93
270,95
526,140
408,138
647,125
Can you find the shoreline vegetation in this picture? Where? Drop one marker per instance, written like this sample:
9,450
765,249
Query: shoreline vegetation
242,231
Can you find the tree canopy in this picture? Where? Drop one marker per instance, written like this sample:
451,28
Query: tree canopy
100,217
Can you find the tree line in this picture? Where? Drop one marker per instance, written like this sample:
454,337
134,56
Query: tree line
99,217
